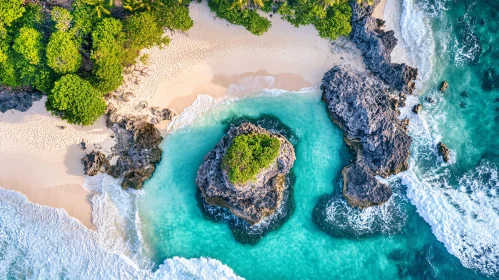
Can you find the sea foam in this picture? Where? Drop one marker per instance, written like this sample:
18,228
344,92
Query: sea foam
40,242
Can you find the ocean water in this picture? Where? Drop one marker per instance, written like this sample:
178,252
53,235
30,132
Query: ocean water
441,223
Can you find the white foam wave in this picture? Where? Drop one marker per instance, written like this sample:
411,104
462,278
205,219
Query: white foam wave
463,215
248,87
40,242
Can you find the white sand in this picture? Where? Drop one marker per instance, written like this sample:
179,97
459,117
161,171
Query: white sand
379,11
42,161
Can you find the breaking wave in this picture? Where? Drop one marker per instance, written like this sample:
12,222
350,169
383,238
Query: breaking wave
40,242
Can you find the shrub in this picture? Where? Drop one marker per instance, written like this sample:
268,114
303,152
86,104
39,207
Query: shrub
173,16
250,19
248,154
28,44
76,101
10,10
62,53
107,54
141,31
62,18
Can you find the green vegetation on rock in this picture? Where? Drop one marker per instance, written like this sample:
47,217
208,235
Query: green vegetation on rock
76,101
248,155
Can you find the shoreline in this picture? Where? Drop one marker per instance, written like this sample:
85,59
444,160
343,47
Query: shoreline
211,59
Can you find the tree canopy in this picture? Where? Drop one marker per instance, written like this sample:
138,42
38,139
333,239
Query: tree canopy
249,154
75,100
62,53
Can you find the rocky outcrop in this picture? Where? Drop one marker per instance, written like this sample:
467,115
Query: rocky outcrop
417,108
362,106
137,145
252,201
19,100
444,86
94,163
377,45
443,151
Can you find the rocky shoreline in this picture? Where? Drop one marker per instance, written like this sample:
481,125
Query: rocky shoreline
19,100
365,106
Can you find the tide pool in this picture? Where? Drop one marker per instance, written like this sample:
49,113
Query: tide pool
173,223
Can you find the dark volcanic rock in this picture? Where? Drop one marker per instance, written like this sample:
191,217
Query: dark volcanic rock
94,163
17,99
376,46
443,151
417,108
361,106
252,201
361,189
138,149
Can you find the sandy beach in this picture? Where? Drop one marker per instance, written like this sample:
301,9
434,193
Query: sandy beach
42,160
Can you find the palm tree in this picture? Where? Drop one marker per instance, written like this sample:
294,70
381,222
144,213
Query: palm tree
150,4
243,4
100,6
133,5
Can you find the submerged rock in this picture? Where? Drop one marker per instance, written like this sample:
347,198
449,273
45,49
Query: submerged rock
94,163
361,106
443,151
256,199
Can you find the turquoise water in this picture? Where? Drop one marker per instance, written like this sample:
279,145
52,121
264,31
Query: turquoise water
173,224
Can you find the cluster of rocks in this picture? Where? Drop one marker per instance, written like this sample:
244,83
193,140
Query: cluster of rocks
362,107
20,100
365,106
254,200
137,149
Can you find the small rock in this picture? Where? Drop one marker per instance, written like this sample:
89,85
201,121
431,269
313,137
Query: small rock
429,99
155,120
155,111
167,114
463,105
82,145
464,94
142,105
405,124
444,151
94,162
417,108
444,86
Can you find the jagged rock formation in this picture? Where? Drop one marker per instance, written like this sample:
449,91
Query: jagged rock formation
443,151
94,163
138,149
377,45
361,106
19,100
252,201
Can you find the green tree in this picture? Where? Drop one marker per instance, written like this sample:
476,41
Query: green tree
62,18
62,53
141,31
75,100
10,10
106,54
248,154
28,44
100,7
173,17
244,4
250,19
